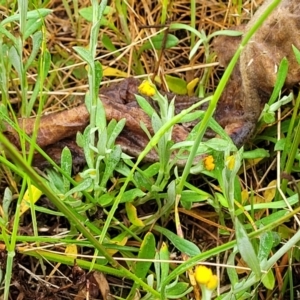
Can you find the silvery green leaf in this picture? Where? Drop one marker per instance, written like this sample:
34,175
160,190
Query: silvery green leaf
32,26
85,55
66,165
246,249
84,185
33,14
145,105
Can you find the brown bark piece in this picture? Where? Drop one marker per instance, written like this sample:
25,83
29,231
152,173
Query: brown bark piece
53,127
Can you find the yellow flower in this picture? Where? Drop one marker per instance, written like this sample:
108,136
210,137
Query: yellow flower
203,275
209,163
147,88
230,161
213,282
206,281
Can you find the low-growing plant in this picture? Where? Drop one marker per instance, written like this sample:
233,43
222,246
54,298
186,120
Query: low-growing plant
120,188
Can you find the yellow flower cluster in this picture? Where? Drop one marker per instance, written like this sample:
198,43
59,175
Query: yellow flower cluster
204,275
209,164
147,88
206,280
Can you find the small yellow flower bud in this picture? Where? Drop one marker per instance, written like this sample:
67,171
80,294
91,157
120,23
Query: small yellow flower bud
209,163
203,274
230,161
212,283
147,88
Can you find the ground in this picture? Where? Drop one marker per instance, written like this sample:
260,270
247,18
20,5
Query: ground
54,258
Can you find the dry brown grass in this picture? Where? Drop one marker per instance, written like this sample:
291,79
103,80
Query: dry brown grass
68,75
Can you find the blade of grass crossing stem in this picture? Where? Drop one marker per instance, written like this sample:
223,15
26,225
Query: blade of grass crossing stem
69,260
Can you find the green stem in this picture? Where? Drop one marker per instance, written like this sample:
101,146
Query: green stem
290,151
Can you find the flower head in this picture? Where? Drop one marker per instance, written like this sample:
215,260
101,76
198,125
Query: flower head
203,274
213,282
209,164
147,88
206,280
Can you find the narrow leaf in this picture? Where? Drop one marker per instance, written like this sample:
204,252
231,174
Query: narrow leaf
176,85
297,54
33,14
191,86
36,44
282,73
178,291
108,71
84,185
32,26
84,54
31,195
226,32
164,266
106,199
117,129
66,165
130,195
111,163
87,12
147,251
268,280
266,244
181,244
257,153
157,42
132,215
145,105
98,75
120,240
15,60
7,199
246,249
